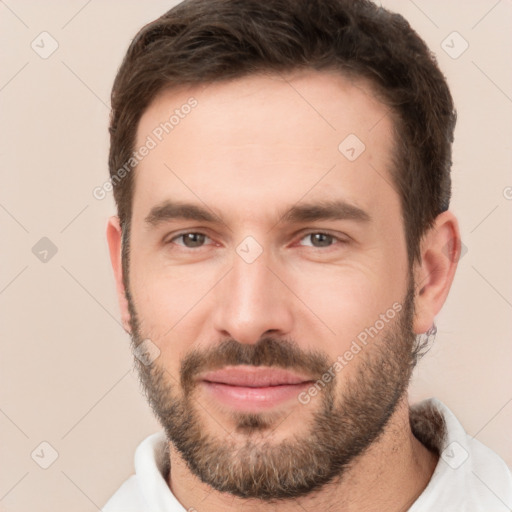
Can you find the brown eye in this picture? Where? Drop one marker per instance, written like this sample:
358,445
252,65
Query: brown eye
319,240
191,240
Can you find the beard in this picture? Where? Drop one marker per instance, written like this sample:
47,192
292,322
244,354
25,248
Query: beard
346,417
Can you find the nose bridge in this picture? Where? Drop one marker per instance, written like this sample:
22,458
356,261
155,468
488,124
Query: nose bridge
251,300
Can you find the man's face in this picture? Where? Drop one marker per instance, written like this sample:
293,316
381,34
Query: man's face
268,264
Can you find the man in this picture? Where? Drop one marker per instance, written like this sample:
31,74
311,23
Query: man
282,246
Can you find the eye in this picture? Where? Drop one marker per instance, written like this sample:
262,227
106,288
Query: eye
318,240
190,240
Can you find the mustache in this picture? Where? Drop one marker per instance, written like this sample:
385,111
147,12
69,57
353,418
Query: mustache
268,351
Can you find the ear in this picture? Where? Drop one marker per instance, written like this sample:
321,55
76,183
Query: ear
114,238
440,252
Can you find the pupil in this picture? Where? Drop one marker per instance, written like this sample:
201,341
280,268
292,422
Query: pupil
194,239
321,240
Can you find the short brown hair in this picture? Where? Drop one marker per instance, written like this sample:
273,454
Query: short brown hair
202,41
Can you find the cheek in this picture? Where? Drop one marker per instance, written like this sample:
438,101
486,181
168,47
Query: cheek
348,299
168,298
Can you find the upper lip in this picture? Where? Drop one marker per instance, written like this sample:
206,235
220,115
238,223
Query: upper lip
254,376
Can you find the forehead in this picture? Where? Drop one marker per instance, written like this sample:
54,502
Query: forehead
266,140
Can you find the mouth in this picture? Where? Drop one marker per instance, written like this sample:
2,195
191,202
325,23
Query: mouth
253,389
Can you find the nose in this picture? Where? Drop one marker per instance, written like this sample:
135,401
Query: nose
252,302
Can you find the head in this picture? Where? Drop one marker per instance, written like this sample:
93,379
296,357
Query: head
289,211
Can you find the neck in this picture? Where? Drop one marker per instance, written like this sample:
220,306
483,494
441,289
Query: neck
388,477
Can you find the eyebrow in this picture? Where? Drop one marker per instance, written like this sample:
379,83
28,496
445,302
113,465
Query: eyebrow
323,210
171,210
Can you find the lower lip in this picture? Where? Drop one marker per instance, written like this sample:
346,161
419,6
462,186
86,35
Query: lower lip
252,399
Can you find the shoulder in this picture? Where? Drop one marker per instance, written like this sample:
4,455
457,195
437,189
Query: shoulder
128,498
147,489
469,476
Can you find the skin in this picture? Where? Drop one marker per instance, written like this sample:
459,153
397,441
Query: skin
249,151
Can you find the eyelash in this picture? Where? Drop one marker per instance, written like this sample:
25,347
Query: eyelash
304,235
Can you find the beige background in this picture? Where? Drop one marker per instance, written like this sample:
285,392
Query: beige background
66,370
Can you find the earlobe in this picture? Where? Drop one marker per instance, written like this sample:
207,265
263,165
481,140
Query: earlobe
114,240
440,251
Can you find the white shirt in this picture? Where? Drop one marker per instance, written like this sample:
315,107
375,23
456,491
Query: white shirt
469,477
